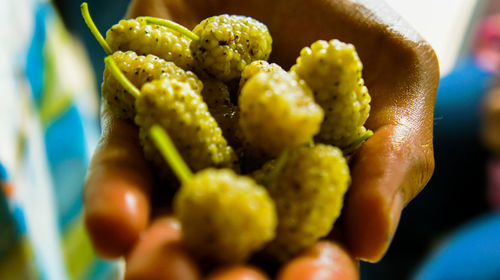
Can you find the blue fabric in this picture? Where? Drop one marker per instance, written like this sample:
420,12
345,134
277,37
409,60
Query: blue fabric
35,64
67,156
18,214
3,173
41,222
101,271
459,96
473,252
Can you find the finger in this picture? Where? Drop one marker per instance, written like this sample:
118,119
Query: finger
238,272
159,254
324,260
116,193
387,172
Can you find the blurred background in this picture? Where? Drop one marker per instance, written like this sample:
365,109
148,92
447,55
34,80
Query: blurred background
436,231
104,13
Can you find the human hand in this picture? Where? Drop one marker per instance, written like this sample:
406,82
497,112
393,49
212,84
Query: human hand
401,73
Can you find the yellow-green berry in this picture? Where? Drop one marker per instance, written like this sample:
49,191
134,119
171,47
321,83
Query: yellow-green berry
180,110
256,67
224,217
277,113
139,70
308,191
144,39
333,71
228,43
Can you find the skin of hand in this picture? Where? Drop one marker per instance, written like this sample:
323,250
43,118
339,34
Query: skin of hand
491,120
401,72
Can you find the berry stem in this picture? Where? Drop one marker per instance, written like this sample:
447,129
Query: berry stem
172,25
167,148
90,24
357,143
278,167
311,142
117,73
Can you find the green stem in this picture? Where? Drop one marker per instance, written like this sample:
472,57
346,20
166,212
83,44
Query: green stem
90,24
167,148
311,142
357,143
172,25
117,73
278,167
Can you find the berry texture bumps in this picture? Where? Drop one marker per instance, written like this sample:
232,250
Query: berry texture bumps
144,39
308,192
180,110
296,189
277,113
228,43
225,217
333,71
139,70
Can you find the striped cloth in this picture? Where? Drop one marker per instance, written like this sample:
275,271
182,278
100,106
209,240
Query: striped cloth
48,115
